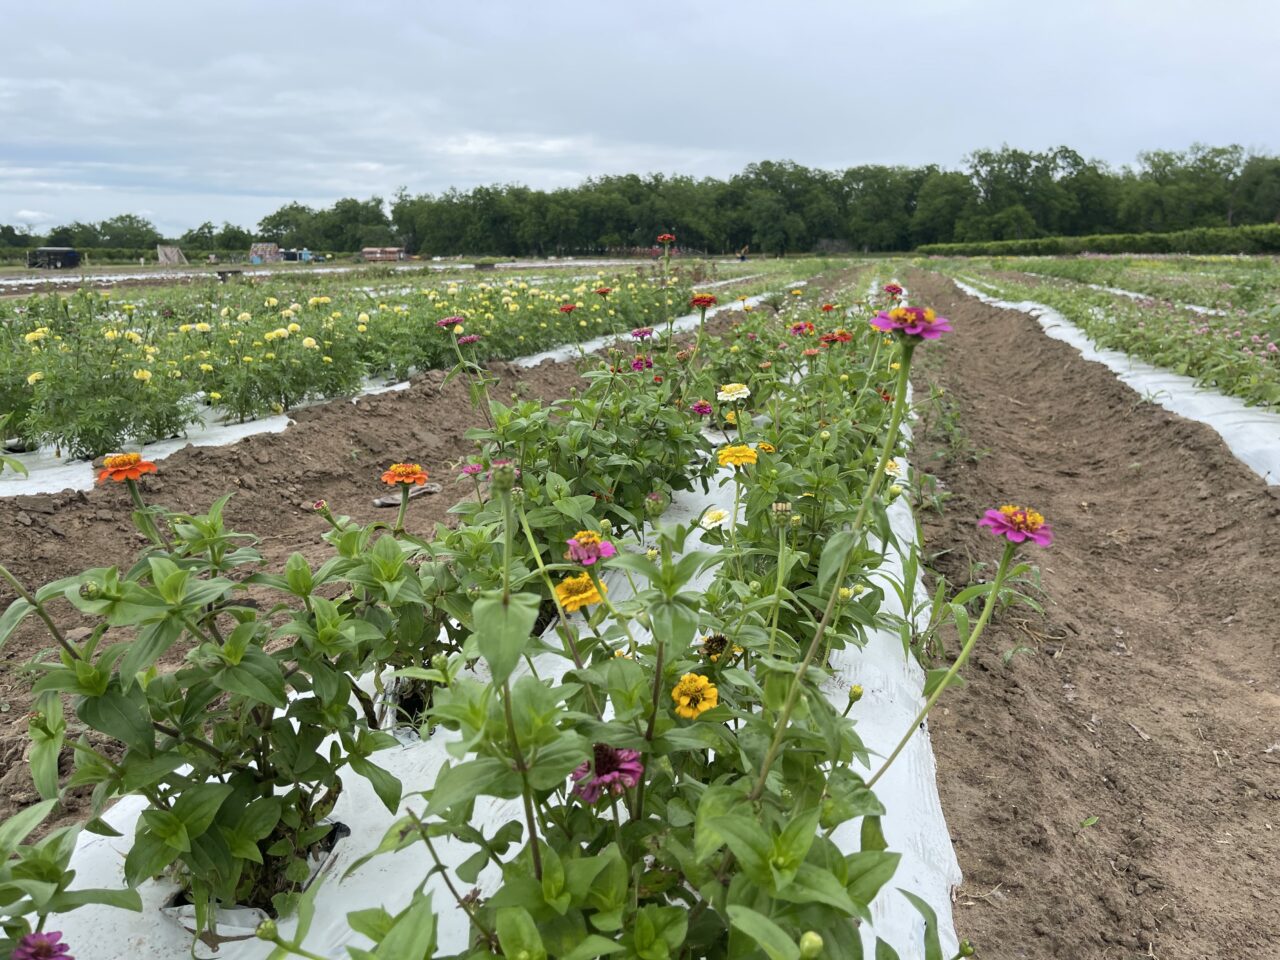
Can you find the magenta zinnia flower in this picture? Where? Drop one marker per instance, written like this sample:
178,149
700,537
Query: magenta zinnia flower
468,339
919,322
642,333
611,771
641,363
586,547
47,946
893,290
450,321
1017,524
701,408
471,469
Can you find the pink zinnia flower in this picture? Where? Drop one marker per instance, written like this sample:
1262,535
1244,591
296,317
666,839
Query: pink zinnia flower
912,322
471,469
450,322
1017,524
893,290
701,408
587,547
610,771
468,339
641,363
46,946
642,333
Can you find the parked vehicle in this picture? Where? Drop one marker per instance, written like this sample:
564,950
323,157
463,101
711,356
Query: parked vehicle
54,258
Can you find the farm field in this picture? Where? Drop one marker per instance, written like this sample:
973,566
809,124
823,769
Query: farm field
634,598
1215,320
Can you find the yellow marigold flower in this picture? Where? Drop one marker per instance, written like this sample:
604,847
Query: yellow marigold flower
293,328
363,318
270,302
206,368
574,593
310,343
327,359
268,356
111,334
244,316
34,378
247,359
764,446
202,327
694,695
133,336
457,328
361,328
35,336
184,328
738,455
143,375
215,395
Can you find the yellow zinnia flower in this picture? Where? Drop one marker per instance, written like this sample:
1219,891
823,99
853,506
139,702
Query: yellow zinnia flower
738,455
574,593
694,695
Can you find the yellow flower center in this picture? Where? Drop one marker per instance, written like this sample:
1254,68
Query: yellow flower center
1023,518
121,460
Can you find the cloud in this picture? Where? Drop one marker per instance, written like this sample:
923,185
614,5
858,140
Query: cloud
199,117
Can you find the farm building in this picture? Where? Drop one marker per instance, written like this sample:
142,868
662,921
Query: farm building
55,258
379,254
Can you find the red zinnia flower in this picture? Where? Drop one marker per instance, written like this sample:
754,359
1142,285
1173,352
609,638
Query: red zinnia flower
125,466
604,291
666,238
828,307
568,307
700,301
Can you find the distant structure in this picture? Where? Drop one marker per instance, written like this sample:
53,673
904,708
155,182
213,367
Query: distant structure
54,258
381,254
265,253
170,256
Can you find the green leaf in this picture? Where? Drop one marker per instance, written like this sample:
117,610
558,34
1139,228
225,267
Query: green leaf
518,934
932,943
463,782
502,629
124,718
868,872
14,830
838,548
120,899
384,784
593,946
13,615
198,805
151,644
884,951
770,937
257,676
47,729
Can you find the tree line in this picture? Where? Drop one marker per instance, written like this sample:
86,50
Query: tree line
773,207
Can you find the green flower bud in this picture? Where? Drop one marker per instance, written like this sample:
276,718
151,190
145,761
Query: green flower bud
967,949
267,930
855,693
810,945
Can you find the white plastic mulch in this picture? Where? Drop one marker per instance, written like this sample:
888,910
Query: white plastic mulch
1252,434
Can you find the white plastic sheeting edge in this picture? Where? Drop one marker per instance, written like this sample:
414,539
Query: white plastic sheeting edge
1252,435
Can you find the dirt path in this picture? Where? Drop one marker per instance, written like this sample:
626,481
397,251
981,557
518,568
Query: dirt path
1150,697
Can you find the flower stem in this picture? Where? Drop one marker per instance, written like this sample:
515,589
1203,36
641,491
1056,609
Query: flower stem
859,521
525,789
987,608
404,505
40,612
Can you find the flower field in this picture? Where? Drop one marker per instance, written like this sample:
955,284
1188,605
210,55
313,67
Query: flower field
673,775
623,692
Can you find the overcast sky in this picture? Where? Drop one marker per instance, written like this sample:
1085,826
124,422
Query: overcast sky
185,112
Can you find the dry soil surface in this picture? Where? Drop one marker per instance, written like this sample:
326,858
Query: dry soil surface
1148,698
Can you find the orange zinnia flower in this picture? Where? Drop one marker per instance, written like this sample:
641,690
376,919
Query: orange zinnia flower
406,473
125,466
